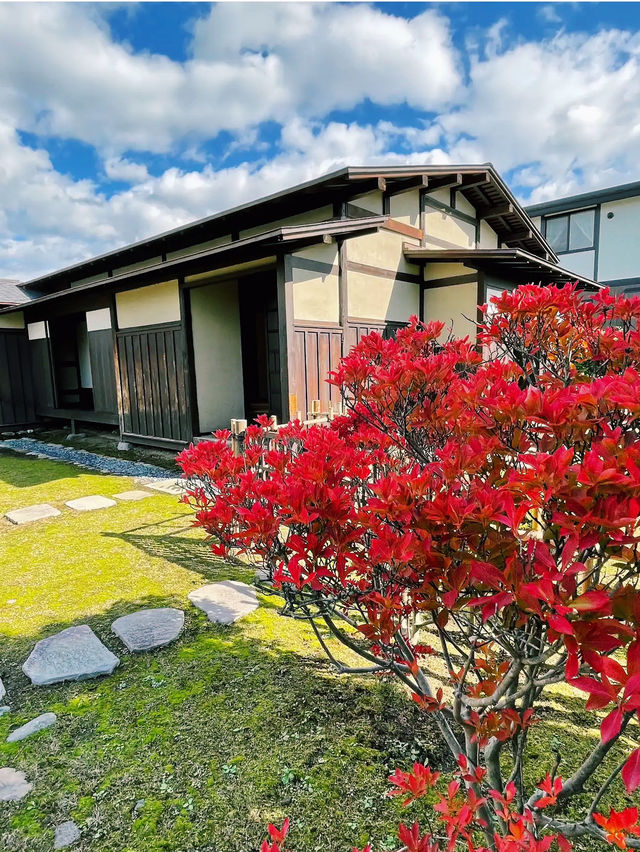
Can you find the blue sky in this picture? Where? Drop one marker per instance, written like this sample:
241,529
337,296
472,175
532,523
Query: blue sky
118,121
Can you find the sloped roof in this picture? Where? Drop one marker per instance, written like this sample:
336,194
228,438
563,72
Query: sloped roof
480,184
260,246
519,265
10,292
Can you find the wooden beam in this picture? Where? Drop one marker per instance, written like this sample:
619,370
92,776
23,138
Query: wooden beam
445,182
518,237
496,211
476,181
401,228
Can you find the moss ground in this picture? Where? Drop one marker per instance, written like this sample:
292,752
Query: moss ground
196,746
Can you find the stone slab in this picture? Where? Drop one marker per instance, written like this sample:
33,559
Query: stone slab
72,654
89,504
40,723
166,486
5,709
133,495
3,691
225,602
149,628
13,785
66,834
32,513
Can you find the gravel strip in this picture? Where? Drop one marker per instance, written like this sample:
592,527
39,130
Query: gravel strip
92,461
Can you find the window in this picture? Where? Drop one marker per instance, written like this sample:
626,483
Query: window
571,232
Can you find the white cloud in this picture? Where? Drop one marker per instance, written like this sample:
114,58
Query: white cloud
68,221
568,104
561,114
118,168
249,64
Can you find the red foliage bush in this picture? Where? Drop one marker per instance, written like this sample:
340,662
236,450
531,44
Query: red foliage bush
483,498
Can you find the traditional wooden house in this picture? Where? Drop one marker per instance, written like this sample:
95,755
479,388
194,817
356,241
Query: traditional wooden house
246,311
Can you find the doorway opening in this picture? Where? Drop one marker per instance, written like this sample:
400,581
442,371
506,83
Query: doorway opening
69,338
260,332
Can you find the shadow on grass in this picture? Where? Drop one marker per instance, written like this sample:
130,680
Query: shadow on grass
216,735
21,471
181,547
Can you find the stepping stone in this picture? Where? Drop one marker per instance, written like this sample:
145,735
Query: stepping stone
149,628
67,833
40,723
133,495
88,504
5,709
73,654
225,602
167,486
13,785
262,575
3,691
32,513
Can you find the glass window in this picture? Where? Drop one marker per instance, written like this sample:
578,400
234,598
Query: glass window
558,232
571,232
581,229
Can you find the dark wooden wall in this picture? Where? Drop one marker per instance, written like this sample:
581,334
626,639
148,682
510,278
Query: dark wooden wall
16,385
153,383
317,351
43,387
105,397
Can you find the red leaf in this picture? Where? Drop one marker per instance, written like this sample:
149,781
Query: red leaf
611,725
631,771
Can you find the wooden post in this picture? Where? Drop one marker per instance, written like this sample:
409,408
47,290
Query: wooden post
238,428
315,408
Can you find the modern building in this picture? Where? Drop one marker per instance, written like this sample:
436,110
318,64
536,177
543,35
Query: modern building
596,234
245,312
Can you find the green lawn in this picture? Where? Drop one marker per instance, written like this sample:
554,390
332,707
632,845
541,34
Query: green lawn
197,746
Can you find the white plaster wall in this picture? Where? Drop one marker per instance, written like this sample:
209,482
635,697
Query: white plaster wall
98,320
580,262
619,248
323,252
451,305
441,226
316,296
464,205
320,214
488,237
15,320
441,195
194,249
405,207
217,351
444,270
383,250
37,330
157,303
371,297
371,201
537,221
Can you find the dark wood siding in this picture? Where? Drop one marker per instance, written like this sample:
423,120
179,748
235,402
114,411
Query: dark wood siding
317,351
43,387
103,371
153,383
16,385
